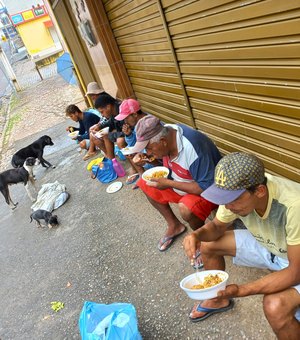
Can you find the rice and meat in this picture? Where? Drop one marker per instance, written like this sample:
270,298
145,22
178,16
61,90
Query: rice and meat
208,281
156,174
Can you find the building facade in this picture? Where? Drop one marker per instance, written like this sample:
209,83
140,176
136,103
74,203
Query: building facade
35,28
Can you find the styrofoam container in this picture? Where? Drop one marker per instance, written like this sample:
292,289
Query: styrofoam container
149,172
104,131
73,134
207,293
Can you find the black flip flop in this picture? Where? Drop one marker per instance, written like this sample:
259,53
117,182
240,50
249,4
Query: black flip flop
165,239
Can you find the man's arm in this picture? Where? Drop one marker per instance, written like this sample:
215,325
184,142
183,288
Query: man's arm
189,188
211,231
89,121
272,283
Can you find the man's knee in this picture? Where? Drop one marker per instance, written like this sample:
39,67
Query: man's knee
187,215
82,144
276,310
121,142
185,212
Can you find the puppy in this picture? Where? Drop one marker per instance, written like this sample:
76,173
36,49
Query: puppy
35,150
51,220
14,176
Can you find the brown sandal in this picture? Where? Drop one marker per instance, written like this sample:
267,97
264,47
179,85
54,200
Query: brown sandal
89,155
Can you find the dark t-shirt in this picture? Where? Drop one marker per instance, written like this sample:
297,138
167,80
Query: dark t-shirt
89,119
115,126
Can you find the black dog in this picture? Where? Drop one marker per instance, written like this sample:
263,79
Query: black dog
14,176
35,150
51,220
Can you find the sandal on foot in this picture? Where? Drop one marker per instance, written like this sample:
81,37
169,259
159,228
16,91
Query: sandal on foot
168,240
89,155
132,178
209,311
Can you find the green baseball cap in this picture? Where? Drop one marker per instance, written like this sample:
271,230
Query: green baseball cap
234,174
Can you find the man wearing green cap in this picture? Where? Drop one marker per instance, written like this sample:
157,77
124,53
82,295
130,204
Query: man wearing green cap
269,206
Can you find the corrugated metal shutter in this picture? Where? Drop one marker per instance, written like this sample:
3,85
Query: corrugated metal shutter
142,40
239,62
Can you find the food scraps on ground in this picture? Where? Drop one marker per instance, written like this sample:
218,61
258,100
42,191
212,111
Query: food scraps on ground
57,305
208,281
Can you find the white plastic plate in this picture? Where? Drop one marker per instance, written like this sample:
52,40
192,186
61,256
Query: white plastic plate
114,187
127,150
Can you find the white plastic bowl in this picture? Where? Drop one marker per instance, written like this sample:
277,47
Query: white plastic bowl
73,134
104,131
207,293
150,172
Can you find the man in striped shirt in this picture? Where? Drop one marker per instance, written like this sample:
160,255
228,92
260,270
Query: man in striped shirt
191,157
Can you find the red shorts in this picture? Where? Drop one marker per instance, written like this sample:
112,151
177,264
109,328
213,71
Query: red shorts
195,203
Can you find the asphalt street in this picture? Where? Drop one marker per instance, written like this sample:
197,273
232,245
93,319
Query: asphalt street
104,250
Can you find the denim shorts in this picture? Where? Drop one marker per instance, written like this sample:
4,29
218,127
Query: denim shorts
250,253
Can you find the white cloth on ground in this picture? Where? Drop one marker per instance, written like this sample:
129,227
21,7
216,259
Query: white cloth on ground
50,197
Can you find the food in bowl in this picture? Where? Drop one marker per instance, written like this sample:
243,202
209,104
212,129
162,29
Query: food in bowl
73,134
127,150
189,282
156,174
208,281
147,158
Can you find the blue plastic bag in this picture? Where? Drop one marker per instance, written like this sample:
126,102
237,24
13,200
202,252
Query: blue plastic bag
108,322
105,171
119,153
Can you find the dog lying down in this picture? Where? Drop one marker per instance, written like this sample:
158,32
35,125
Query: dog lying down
35,150
51,220
15,176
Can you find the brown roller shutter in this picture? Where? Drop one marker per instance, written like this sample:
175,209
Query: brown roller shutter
230,68
143,42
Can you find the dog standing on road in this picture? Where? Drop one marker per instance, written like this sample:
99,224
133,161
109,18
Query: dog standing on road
36,150
40,214
15,176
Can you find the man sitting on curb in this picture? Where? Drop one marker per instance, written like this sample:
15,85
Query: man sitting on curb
108,106
94,91
269,206
131,113
86,120
191,156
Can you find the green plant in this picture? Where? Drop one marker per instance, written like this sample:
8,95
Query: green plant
13,120
14,101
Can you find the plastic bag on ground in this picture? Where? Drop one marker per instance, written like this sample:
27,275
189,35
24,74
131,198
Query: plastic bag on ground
108,322
104,172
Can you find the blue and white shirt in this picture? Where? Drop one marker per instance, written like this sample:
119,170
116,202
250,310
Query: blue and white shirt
196,160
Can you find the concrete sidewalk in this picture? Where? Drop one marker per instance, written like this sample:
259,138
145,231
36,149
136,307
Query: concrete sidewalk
105,250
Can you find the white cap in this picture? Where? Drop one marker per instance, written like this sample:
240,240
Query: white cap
93,88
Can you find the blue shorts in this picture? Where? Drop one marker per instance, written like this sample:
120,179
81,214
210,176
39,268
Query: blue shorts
250,253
